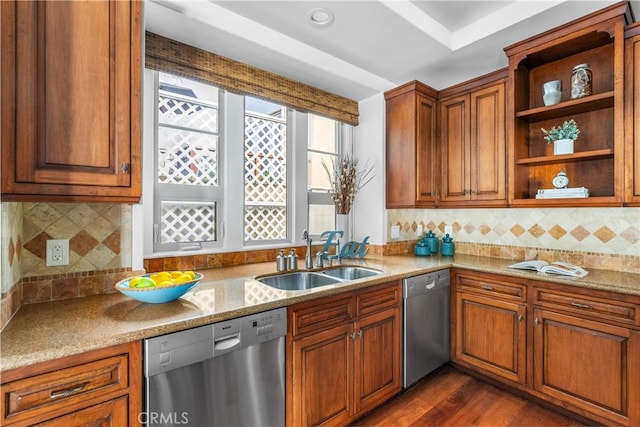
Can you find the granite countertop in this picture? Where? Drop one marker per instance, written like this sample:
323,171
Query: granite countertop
46,331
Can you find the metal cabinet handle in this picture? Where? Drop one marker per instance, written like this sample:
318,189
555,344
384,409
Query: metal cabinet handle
356,334
536,321
360,333
124,167
577,304
487,287
66,392
520,317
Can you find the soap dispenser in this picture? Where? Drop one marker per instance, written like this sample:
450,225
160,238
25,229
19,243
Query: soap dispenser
447,248
281,261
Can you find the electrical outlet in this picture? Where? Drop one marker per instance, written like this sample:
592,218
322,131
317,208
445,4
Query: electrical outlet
419,230
448,230
395,231
57,252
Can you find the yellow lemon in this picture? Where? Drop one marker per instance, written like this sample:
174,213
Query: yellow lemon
133,282
161,276
191,274
176,274
183,279
165,283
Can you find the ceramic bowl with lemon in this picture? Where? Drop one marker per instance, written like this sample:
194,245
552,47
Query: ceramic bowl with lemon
164,286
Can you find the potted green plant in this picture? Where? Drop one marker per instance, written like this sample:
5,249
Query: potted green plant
562,137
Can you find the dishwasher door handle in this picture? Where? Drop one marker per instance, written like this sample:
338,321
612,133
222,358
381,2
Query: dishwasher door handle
226,343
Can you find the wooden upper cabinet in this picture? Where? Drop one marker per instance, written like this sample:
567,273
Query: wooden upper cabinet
472,137
411,162
71,87
598,161
632,115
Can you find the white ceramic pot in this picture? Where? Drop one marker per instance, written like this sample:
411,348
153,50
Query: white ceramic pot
343,224
563,146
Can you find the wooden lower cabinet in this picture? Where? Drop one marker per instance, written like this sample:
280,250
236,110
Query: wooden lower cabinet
101,387
491,335
335,373
592,365
574,347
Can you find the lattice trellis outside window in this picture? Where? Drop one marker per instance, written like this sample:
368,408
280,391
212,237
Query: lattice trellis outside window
265,176
187,141
188,222
187,175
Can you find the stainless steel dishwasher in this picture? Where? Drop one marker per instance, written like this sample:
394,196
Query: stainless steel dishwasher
229,373
426,324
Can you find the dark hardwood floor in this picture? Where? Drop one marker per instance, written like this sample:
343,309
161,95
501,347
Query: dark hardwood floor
449,397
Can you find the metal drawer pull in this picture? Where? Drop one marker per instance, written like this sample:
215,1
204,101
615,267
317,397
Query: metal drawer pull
487,287
577,304
68,392
124,167
536,321
356,334
520,317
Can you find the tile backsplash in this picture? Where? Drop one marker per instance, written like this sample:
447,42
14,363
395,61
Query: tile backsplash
613,231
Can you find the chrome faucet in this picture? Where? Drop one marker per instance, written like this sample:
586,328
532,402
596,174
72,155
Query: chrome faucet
308,259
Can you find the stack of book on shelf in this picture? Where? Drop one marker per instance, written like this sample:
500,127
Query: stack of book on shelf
563,193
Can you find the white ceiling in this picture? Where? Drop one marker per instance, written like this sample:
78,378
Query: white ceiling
372,45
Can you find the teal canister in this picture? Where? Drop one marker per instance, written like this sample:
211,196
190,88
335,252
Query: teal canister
421,249
447,248
432,241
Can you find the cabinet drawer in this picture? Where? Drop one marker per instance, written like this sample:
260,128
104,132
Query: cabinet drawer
491,285
617,311
378,300
313,317
56,390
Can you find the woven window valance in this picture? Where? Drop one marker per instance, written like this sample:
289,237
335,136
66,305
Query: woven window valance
168,55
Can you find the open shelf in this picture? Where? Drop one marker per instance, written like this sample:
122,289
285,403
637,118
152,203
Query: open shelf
568,108
597,40
565,158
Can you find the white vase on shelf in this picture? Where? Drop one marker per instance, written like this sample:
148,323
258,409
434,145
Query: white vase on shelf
563,146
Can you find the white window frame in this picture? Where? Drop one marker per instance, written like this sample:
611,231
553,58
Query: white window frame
230,232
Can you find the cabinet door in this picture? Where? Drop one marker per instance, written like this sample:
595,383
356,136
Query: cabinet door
426,160
74,118
491,336
455,139
322,369
488,158
378,369
591,365
632,118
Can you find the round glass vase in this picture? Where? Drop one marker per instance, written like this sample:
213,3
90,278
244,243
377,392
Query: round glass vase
563,146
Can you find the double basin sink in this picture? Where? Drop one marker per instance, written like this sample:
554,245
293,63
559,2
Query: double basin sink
301,280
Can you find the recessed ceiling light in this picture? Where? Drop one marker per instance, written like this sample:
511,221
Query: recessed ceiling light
320,17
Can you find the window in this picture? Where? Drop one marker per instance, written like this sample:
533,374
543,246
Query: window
228,172
187,181
265,171
325,143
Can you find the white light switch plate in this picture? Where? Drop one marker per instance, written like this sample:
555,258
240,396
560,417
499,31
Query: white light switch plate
448,230
419,230
395,231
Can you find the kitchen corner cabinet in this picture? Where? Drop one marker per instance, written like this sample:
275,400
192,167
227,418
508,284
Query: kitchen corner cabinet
411,156
632,115
344,355
598,162
580,347
71,109
472,135
101,387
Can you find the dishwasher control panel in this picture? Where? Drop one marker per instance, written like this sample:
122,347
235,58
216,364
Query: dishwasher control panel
172,351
